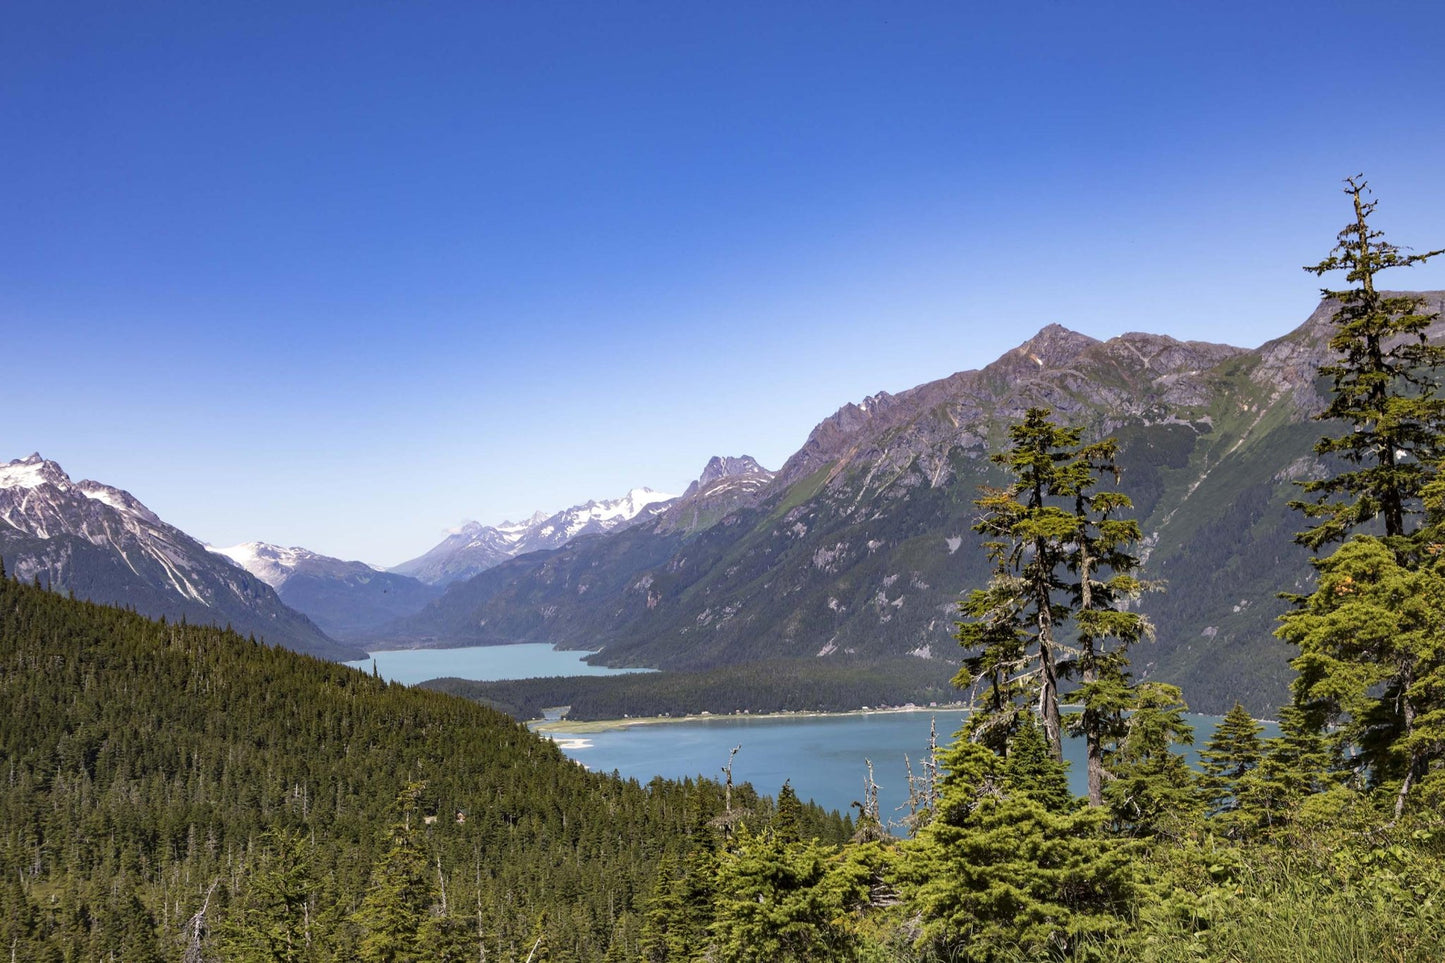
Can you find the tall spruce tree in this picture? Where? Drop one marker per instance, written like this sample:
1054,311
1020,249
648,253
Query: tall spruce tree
1385,390
400,896
271,918
1231,754
1370,666
1015,621
1101,560
1062,550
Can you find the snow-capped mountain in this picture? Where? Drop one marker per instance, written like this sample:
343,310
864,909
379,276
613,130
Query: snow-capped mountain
347,599
275,565
104,545
474,547
594,518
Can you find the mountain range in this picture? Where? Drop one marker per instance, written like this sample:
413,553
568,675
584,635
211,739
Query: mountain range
103,545
474,547
857,548
346,599
861,543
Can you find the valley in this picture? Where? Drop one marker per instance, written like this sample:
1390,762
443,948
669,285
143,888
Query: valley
853,553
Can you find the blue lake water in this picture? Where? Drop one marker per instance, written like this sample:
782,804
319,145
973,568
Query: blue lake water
824,756
482,662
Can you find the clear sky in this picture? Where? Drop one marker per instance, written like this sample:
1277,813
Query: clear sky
342,275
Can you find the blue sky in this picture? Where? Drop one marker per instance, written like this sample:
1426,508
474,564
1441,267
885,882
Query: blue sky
341,275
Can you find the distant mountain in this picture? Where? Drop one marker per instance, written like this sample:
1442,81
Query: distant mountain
348,600
474,547
861,544
726,484
105,546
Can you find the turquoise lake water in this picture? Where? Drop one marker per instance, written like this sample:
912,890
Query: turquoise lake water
482,663
824,756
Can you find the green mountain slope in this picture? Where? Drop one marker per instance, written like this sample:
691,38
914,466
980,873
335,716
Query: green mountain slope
167,784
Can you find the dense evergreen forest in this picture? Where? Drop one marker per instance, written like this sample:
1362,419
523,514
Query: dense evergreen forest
768,686
175,792
181,793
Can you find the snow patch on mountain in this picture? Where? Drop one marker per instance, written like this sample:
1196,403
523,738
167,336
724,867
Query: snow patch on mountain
276,565
32,471
271,564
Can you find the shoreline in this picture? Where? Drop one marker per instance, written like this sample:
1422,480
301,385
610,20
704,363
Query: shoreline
565,728
562,730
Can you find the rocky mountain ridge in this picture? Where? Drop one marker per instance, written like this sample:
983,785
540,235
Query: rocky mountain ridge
104,545
726,484
473,548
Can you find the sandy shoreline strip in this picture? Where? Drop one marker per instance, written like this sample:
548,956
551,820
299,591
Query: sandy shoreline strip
565,727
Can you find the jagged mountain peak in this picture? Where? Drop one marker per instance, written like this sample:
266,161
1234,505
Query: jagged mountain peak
32,471
1055,346
536,518
726,484
722,466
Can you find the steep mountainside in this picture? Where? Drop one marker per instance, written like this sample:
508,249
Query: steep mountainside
102,544
862,543
475,547
346,599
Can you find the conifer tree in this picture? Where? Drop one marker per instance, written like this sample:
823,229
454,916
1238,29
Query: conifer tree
1153,789
1015,621
1369,664
1372,663
1385,391
1230,755
681,907
400,896
1007,868
778,900
787,821
271,920
1100,557
1062,550
1294,765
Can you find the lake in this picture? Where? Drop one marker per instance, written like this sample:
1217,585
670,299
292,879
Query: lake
528,660
824,756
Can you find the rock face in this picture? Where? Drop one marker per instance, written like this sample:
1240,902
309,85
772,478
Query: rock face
861,544
105,546
348,600
475,547
725,485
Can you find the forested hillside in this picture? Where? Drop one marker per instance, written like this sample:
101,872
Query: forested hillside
767,686
178,792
